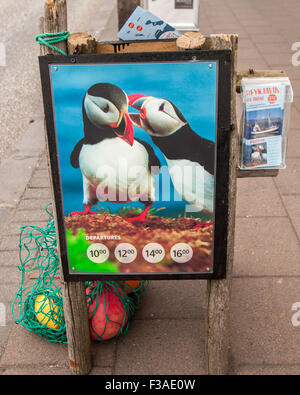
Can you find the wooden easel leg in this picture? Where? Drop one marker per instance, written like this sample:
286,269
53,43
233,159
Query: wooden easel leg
218,335
76,317
74,297
218,291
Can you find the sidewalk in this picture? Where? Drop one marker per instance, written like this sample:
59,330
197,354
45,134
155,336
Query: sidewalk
167,335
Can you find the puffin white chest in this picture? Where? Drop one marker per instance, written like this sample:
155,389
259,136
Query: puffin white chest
116,166
193,183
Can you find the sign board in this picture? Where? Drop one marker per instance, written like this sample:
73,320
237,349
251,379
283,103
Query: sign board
139,154
183,15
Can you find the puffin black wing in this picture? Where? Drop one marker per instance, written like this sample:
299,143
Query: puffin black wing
75,154
153,159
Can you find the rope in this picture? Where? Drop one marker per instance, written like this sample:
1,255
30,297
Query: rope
52,38
38,305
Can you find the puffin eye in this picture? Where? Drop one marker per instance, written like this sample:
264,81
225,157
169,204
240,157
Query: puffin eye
162,107
105,108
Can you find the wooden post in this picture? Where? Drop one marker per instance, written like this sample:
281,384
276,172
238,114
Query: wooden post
125,9
74,297
218,291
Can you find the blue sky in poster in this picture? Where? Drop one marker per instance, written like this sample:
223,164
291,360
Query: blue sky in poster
191,86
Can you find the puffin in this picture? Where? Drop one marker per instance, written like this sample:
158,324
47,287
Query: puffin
109,156
190,157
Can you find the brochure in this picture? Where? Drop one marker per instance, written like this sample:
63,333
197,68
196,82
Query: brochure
143,25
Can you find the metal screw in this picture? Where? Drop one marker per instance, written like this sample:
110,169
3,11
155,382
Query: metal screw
73,60
210,66
208,269
73,268
194,57
55,68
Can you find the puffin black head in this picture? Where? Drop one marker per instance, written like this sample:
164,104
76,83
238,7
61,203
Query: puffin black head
158,117
105,106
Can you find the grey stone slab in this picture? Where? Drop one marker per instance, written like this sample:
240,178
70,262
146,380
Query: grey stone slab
9,274
284,59
292,204
96,371
103,354
39,182
162,347
173,299
15,175
296,223
37,371
261,328
267,38
30,216
258,197
274,370
9,243
293,147
38,193
266,247
8,292
25,349
5,215
33,204
9,258
32,142
288,180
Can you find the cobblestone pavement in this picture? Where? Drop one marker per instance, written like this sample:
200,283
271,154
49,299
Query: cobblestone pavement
167,334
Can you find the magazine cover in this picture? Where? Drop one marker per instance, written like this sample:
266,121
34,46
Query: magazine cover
143,25
136,150
264,110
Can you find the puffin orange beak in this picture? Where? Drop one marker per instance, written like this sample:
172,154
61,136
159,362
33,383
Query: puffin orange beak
128,135
137,101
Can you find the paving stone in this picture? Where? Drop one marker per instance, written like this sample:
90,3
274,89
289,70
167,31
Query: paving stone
9,275
162,347
96,371
261,328
267,370
9,258
9,243
266,247
19,171
258,197
293,148
8,292
288,180
103,354
275,60
30,216
38,193
4,335
37,371
25,349
292,204
5,215
173,299
39,182
33,204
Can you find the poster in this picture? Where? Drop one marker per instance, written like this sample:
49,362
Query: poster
136,156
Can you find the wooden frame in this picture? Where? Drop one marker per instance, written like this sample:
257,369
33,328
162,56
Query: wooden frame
218,291
223,60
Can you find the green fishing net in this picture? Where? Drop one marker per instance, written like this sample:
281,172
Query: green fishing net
38,305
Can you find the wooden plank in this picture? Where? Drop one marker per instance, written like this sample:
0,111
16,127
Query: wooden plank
136,46
251,73
258,173
74,297
218,291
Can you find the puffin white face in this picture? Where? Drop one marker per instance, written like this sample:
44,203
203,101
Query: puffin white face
101,111
159,118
